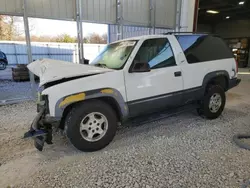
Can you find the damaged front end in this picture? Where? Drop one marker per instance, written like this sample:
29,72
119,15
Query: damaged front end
52,73
41,127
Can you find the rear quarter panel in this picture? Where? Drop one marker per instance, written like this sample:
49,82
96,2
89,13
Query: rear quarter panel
193,74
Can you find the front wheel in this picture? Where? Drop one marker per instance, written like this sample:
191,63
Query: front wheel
2,65
213,102
91,125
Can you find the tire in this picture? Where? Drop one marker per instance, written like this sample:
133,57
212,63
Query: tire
212,92
3,65
78,114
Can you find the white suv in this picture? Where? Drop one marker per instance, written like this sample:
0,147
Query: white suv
127,79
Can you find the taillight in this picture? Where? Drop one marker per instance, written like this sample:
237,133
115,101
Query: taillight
237,66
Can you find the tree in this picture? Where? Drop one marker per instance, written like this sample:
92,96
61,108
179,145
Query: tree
66,38
3,28
96,38
85,40
105,38
8,29
11,29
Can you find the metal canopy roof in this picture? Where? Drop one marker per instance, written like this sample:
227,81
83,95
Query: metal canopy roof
50,9
132,12
230,8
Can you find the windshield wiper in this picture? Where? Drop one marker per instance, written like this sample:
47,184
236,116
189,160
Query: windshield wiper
101,65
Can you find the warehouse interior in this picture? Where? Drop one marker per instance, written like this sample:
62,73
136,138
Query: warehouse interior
229,19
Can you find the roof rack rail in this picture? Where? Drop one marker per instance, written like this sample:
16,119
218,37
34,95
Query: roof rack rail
173,32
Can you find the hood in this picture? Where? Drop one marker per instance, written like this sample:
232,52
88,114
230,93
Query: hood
50,70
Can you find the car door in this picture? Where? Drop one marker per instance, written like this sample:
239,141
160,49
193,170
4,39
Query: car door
154,80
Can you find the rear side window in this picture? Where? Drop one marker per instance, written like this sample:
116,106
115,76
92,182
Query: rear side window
202,48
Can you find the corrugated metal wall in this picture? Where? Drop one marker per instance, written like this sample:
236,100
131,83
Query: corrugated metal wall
165,14
132,31
13,7
136,13
186,22
53,9
17,54
101,11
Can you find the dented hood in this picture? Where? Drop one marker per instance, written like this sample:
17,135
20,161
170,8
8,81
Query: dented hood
50,70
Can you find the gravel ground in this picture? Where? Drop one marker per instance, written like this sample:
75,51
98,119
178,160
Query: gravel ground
181,151
6,74
12,90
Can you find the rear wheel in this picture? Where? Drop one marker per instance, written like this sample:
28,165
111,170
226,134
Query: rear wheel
91,125
213,102
2,65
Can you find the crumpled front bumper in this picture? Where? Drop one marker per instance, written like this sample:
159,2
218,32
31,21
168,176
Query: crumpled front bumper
40,129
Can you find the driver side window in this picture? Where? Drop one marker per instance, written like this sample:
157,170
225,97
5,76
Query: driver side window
156,52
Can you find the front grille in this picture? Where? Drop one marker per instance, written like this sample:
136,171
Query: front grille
46,99
39,108
42,101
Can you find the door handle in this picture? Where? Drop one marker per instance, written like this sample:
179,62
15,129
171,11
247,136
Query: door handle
176,74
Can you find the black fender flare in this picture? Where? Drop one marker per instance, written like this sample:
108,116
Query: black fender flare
208,77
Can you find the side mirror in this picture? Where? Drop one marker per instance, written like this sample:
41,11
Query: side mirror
141,67
86,61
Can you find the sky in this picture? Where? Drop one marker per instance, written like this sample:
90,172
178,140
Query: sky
40,27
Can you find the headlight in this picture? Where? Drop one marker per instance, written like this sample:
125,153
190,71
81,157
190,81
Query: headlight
40,103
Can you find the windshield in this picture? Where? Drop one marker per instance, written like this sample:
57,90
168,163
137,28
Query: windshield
115,55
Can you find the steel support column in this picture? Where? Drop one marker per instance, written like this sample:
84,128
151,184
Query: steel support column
28,45
79,31
15,53
154,13
150,16
196,13
108,35
178,15
119,20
